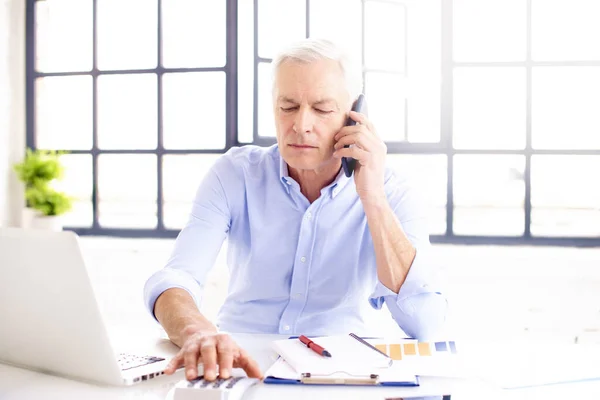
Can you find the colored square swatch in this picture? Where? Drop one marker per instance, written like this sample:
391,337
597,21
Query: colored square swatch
424,349
410,349
395,352
382,348
453,347
441,346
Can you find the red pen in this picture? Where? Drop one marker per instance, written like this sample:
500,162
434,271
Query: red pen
314,347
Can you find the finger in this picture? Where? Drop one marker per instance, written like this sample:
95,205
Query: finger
190,358
357,153
363,120
370,143
358,117
347,131
250,366
225,356
175,363
348,140
353,130
208,352
360,139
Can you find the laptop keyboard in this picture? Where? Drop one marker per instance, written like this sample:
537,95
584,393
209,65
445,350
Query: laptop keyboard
128,361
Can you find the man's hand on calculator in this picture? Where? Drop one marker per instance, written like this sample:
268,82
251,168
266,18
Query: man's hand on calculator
212,349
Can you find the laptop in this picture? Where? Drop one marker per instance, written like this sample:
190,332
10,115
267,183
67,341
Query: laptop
49,317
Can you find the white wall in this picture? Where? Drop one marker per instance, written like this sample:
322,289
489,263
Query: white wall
12,107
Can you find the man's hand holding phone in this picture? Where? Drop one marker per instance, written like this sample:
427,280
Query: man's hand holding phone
369,151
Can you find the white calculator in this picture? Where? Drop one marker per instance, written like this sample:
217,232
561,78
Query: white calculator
220,389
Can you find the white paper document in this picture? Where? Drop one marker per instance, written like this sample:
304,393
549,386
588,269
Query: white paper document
347,355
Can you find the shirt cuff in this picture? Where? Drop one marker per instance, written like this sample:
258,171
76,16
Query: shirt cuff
419,280
168,278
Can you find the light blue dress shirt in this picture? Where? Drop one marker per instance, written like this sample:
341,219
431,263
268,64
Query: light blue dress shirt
296,267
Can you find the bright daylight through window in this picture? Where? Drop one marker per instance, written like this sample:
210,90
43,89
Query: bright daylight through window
491,106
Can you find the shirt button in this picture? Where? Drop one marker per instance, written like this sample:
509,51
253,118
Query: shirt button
303,259
286,328
308,215
297,296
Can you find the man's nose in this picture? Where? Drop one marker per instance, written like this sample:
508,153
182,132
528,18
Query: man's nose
304,121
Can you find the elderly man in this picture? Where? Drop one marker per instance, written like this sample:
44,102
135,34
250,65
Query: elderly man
308,248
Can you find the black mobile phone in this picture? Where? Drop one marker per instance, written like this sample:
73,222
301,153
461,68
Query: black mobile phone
348,163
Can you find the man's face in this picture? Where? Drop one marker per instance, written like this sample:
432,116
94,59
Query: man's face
310,106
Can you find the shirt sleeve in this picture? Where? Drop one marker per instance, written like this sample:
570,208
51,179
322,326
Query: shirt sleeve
420,307
199,242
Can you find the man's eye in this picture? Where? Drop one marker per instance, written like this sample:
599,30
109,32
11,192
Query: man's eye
323,111
287,109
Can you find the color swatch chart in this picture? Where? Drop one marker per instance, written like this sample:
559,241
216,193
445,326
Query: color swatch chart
409,349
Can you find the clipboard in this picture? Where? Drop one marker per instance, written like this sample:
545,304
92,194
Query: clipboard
282,373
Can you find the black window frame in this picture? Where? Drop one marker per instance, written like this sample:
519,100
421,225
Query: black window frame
443,147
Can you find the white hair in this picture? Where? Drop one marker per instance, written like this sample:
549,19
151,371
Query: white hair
311,50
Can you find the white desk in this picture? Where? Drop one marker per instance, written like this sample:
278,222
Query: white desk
22,384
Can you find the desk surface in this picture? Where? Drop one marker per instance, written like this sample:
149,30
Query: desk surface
22,384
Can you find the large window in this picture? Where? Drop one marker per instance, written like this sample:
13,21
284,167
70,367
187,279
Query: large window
490,105
138,93
525,136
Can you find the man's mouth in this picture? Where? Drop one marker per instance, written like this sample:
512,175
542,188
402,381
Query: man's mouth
302,146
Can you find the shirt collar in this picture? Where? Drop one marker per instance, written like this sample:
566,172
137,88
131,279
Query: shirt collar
334,188
284,175
341,180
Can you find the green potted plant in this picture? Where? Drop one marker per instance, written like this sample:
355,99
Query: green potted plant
50,205
45,205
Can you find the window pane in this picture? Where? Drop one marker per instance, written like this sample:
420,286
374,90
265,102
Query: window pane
565,108
565,200
245,71
193,33
266,124
127,191
385,23
489,108
279,23
385,95
489,30
127,34
127,111
179,193
424,65
423,114
77,183
564,30
339,21
428,174
489,193
194,110
63,107
63,35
